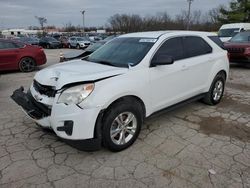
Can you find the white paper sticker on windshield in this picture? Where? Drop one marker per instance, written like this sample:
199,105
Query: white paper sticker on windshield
148,40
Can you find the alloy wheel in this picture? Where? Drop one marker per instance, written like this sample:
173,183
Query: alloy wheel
218,90
27,64
123,128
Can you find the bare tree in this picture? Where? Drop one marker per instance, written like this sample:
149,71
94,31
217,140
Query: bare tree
162,21
42,21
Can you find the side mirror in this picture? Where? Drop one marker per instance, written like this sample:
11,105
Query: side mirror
159,60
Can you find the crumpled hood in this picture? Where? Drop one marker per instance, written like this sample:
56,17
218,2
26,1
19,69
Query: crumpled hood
75,71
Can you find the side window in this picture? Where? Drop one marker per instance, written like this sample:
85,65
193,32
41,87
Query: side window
7,45
196,46
172,47
1,45
217,41
19,45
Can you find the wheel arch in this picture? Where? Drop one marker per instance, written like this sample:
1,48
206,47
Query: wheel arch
126,98
99,119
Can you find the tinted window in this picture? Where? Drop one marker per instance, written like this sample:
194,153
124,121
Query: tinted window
7,45
172,47
228,32
217,41
196,46
241,37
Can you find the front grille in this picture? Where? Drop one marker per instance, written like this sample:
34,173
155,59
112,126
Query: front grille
236,50
44,90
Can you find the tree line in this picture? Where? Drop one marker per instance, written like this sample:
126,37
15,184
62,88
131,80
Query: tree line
237,11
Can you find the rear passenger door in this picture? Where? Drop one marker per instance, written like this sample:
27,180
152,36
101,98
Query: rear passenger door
198,63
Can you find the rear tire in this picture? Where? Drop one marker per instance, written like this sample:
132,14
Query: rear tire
27,64
216,91
122,124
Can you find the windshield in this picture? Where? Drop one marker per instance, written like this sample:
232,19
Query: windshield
82,39
79,39
93,47
122,52
109,38
241,37
228,32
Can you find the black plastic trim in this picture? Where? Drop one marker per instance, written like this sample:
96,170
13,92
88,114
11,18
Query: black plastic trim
33,108
93,144
67,127
175,106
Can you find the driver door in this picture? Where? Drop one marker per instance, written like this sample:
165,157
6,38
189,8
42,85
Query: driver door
168,83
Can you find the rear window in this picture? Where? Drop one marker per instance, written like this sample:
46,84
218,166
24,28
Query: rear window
196,46
217,41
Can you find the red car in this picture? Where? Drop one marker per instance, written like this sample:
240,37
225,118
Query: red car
16,55
239,48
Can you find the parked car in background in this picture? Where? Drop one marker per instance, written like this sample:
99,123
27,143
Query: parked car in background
89,50
239,47
227,31
104,98
16,55
78,42
64,41
81,53
29,40
49,42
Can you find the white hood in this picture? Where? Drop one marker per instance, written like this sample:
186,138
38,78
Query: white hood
75,71
225,39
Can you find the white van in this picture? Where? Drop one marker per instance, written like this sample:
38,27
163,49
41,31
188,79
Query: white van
227,31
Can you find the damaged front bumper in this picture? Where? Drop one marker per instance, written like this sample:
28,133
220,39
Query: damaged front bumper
73,125
33,108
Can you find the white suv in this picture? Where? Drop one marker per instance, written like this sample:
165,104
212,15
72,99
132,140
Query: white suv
78,42
104,98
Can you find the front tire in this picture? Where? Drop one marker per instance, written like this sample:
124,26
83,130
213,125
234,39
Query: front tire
122,124
27,64
216,91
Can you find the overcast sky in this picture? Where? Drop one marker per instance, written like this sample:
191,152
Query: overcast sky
20,13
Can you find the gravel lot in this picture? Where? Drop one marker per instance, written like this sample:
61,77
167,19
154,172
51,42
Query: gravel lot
193,146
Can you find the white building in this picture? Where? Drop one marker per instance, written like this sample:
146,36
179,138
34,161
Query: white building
15,32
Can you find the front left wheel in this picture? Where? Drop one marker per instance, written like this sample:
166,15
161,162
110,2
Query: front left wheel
122,124
27,64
